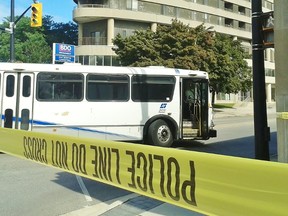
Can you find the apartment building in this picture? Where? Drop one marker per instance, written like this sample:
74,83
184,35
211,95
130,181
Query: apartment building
100,21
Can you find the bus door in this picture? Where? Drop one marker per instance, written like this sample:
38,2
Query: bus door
194,106
17,100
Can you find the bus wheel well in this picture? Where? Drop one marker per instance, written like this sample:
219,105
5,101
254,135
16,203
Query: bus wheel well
168,120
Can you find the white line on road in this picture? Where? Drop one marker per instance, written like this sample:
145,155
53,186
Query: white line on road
84,189
102,207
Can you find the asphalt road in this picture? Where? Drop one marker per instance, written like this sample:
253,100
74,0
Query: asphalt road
235,137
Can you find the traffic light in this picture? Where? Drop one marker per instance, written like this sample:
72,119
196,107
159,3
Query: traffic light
268,29
36,15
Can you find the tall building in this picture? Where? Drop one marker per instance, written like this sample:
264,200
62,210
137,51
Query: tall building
100,21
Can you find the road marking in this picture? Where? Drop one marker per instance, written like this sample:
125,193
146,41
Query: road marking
101,208
84,189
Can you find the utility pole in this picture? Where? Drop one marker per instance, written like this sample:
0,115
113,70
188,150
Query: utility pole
281,65
12,35
261,130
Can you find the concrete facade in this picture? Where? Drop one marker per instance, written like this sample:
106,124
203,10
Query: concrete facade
100,21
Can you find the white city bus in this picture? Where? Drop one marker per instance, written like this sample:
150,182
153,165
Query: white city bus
147,104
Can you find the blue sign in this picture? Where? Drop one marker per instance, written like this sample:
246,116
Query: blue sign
64,49
63,53
69,59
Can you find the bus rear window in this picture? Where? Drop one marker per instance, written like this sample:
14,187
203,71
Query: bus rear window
60,86
152,88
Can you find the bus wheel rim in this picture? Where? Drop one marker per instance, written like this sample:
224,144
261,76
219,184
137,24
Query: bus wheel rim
163,133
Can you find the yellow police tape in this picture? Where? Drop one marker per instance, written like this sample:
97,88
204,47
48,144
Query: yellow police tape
206,183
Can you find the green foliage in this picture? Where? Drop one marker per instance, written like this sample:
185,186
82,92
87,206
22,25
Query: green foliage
231,72
176,45
4,47
30,49
60,32
34,45
140,47
181,46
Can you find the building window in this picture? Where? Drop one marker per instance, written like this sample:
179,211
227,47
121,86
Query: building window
169,11
228,6
242,25
228,22
214,19
150,7
272,56
200,17
98,60
107,60
200,1
184,13
86,60
92,60
269,72
242,10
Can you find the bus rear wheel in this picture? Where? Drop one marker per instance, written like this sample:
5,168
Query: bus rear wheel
159,134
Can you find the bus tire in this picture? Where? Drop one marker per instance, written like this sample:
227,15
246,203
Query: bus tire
159,134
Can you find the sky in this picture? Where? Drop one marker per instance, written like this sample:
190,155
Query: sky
60,10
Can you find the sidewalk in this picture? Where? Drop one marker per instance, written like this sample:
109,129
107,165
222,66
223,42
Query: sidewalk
245,109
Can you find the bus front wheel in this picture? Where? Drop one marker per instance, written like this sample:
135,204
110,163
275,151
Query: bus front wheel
159,134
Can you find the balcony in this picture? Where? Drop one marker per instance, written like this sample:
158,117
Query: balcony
92,41
93,6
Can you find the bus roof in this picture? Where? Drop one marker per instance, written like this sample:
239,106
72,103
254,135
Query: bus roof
78,68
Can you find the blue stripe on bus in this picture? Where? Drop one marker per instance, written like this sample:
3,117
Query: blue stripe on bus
43,123
37,122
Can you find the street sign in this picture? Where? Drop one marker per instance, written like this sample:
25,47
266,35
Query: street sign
68,59
63,53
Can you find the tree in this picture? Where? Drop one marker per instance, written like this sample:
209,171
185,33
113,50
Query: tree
60,32
231,73
30,49
35,44
4,47
30,43
176,45
138,49
181,46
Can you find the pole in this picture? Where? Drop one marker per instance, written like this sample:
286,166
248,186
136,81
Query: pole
12,35
281,65
261,130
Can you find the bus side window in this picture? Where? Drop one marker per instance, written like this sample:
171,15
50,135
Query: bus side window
152,88
44,91
60,86
107,87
